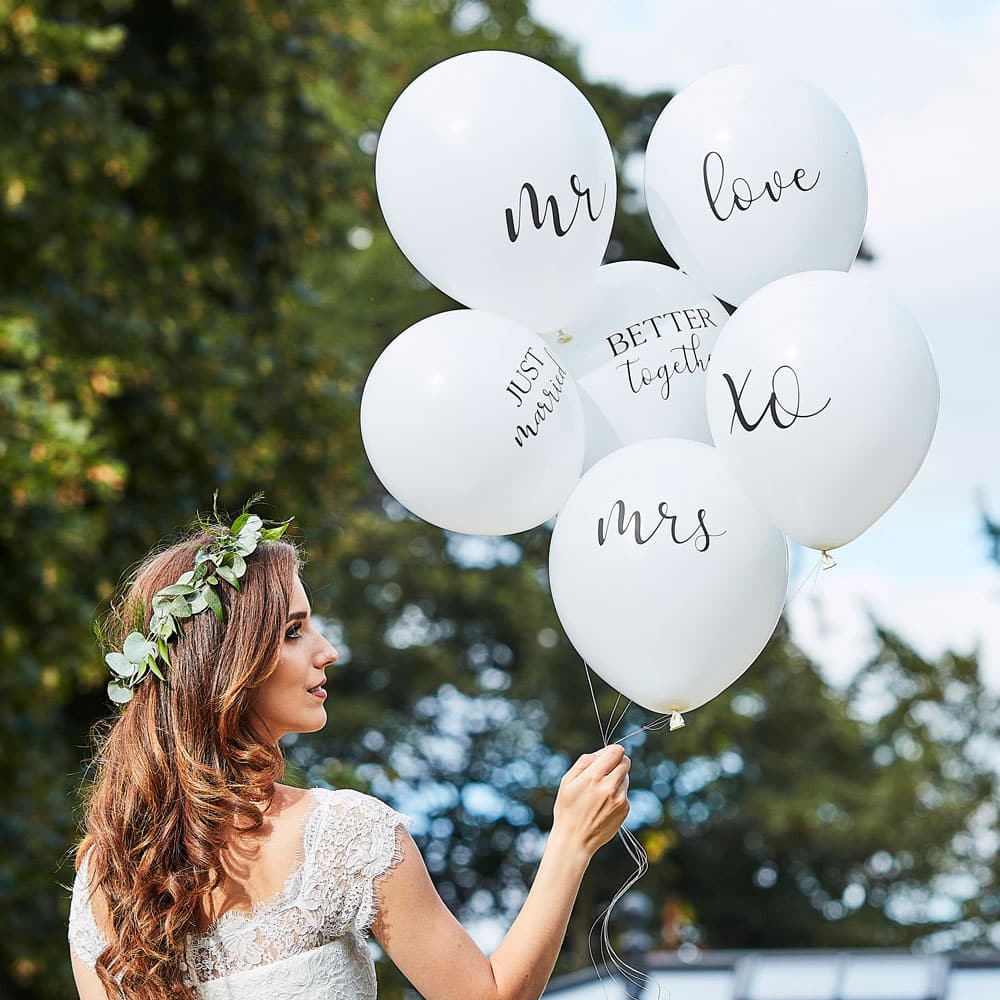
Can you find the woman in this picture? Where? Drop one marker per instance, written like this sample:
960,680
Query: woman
200,875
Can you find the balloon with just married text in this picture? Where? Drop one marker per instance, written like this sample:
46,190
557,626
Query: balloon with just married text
822,399
639,353
751,175
666,578
497,180
470,422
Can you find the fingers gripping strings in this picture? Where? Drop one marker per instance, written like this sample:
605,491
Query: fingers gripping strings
635,851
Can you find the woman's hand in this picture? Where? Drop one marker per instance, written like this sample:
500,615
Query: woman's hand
592,800
434,951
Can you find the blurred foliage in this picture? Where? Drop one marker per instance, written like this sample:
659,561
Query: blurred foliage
195,281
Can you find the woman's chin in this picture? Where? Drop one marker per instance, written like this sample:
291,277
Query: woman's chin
317,720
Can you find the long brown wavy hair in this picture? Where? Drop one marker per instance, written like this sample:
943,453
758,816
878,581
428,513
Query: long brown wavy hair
184,765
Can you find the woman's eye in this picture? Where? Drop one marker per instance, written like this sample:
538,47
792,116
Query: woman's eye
294,632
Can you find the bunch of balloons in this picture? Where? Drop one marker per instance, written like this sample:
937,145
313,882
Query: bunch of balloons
677,445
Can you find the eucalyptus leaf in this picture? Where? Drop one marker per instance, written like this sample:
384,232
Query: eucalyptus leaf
180,608
199,602
239,564
176,589
250,527
163,648
120,664
156,670
119,693
187,577
229,576
137,647
239,522
245,546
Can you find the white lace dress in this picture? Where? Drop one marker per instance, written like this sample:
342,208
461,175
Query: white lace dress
309,939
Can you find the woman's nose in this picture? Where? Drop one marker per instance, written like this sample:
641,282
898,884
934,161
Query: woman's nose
328,655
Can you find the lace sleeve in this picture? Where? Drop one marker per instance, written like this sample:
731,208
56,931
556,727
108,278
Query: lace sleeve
367,843
85,937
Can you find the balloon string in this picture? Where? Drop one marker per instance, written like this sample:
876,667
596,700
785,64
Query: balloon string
824,562
633,847
635,851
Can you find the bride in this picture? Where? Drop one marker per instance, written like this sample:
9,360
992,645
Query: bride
200,875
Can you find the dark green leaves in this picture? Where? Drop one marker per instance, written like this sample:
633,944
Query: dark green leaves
213,601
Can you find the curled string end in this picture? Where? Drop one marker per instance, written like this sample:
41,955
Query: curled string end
676,721
826,561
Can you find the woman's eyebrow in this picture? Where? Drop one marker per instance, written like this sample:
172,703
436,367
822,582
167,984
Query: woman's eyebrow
295,615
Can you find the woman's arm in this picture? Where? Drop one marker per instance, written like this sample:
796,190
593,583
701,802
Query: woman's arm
88,983
436,954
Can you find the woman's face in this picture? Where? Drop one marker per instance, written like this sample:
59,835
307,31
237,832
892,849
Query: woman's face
292,699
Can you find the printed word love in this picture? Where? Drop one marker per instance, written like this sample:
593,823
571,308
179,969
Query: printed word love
639,377
527,378
539,216
713,172
793,395
701,537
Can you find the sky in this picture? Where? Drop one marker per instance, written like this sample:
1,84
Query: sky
919,81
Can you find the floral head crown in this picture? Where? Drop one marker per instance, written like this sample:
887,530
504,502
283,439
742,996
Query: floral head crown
224,560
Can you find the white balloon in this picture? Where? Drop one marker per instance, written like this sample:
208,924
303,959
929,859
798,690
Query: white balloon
666,578
751,175
472,424
497,180
639,352
822,399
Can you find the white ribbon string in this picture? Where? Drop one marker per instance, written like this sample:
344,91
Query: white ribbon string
635,851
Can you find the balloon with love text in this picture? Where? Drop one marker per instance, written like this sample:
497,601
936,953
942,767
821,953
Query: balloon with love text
639,353
751,175
471,422
497,180
823,399
667,579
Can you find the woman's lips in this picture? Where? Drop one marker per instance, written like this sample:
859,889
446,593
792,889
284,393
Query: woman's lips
318,692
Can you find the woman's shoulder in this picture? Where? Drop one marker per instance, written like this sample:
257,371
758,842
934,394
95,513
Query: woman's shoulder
357,810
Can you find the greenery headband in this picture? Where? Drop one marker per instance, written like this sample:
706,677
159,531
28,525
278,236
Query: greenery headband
223,560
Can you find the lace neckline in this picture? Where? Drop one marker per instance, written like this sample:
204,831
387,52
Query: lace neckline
283,895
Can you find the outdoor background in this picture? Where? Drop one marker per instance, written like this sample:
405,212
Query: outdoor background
194,282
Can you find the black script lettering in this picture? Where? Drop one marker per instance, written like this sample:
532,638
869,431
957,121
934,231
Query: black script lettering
688,363
701,536
539,215
551,394
740,189
773,404
574,183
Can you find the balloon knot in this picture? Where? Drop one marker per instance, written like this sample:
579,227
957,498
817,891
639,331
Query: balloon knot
676,721
826,560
